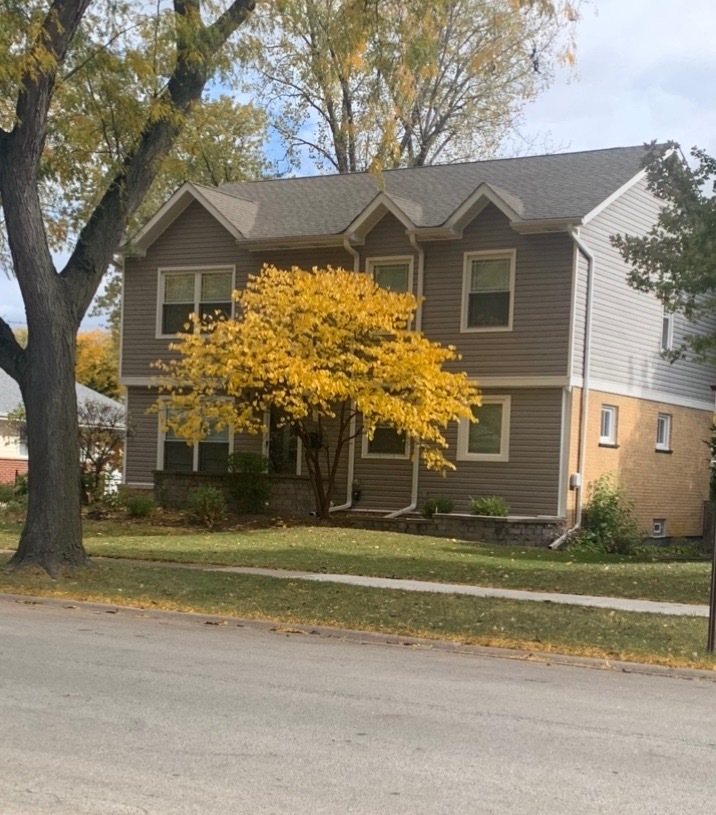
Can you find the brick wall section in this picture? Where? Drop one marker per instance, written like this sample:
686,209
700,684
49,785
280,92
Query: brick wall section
662,485
512,531
10,467
290,494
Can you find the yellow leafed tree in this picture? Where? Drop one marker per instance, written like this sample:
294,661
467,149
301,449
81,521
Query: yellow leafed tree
331,354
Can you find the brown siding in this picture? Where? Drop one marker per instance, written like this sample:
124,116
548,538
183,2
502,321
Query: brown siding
538,344
194,239
141,448
529,481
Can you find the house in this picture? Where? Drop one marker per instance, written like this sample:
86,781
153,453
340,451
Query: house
13,446
514,260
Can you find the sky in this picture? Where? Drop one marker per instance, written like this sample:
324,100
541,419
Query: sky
645,70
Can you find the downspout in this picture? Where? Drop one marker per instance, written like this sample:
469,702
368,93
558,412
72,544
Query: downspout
413,505
587,360
352,443
421,278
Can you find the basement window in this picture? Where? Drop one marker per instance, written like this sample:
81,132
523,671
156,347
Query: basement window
658,528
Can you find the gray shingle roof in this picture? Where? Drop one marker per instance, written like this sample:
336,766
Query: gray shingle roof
10,396
559,186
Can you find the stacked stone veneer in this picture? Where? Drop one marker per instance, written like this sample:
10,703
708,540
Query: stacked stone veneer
516,531
290,494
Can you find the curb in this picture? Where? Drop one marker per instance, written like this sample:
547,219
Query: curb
371,638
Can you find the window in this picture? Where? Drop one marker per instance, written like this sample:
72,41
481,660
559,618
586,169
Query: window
284,447
667,331
608,425
208,456
387,442
183,292
488,439
488,291
658,528
394,274
663,432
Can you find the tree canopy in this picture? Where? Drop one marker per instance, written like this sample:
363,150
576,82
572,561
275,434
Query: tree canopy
676,259
94,97
367,84
331,353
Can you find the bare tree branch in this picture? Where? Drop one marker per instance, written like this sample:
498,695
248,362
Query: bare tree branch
11,352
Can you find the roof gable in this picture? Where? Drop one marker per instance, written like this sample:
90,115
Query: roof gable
558,189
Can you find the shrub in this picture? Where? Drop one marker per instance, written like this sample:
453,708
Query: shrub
139,506
609,517
7,493
245,481
433,505
490,505
207,505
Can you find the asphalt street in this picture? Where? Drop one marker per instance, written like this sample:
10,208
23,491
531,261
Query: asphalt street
117,714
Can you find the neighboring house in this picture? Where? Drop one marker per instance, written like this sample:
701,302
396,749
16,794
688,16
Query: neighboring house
503,252
13,447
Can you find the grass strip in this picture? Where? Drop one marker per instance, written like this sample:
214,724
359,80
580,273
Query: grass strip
543,627
393,554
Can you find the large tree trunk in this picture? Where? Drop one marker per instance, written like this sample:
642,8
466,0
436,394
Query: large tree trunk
52,536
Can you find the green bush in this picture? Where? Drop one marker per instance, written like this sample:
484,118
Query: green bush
246,483
433,505
207,505
7,493
609,517
139,506
490,505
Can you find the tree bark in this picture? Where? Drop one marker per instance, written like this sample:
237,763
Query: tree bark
56,303
52,536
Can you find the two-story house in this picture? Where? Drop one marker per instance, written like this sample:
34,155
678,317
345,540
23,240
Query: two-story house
514,262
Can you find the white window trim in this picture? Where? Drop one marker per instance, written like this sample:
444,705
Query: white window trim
468,257
463,433
669,334
365,453
265,443
664,445
614,411
390,260
195,447
662,523
162,272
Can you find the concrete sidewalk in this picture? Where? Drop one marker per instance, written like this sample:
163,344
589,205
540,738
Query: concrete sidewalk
592,601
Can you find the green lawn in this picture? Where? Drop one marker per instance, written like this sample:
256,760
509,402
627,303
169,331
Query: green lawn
355,551
534,626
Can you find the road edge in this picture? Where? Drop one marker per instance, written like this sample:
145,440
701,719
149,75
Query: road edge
371,637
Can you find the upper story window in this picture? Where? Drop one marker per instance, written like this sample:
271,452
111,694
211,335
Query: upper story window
663,432
488,291
392,273
192,291
667,331
488,439
608,425
387,442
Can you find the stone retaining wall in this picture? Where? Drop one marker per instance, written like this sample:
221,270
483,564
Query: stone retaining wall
290,494
516,531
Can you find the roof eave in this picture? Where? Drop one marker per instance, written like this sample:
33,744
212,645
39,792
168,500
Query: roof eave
541,225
